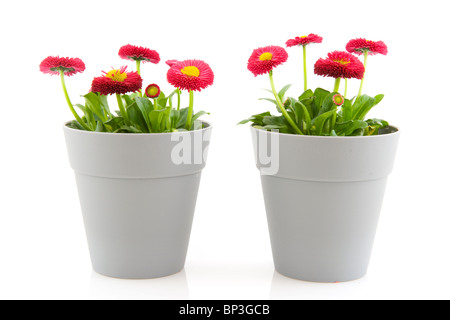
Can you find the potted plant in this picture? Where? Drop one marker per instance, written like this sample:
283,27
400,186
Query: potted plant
137,170
323,165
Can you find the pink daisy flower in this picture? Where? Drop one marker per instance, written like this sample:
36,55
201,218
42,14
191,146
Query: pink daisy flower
359,46
264,59
117,81
340,64
190,75
304,40
152,91
338,99
70,66
135,53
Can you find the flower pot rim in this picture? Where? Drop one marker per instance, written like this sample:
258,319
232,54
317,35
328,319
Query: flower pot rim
207,126
298,136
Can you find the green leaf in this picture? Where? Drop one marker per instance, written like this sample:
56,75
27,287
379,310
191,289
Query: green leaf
161,101
198,115
271,100
136,118
88,115
75,125
289,105
318,123
182,118
306,97
113,124
364,104
156,119
128,129
374,126
145,106
283,91
377,122
129,100
100,127
256,119
348,128
304,116
347,110
327,103
93,103
319,96
104,104
279,121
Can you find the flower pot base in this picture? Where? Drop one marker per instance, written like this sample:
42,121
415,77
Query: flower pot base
317,240
138,275
133,239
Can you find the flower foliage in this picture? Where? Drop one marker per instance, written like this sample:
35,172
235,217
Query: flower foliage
320,112
140,111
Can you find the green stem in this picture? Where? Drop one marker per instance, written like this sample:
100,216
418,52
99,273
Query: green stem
72,109
346,86
190,111
281,106
122,109
333,121
366,53
169,120
337,83
138,69
179,99
305,78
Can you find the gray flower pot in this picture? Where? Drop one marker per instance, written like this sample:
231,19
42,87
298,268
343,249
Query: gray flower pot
138,194
323,197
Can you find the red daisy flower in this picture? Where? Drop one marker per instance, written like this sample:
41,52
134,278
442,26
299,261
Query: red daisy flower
359,46
171,62
135,53
70,66
152,91
304,40
117,81
190,75
264,59
340,64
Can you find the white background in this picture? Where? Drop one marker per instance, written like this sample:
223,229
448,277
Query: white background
43,250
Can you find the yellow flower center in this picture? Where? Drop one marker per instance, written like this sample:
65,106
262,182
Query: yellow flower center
342,61
265,56
116,75
303,37
190,71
